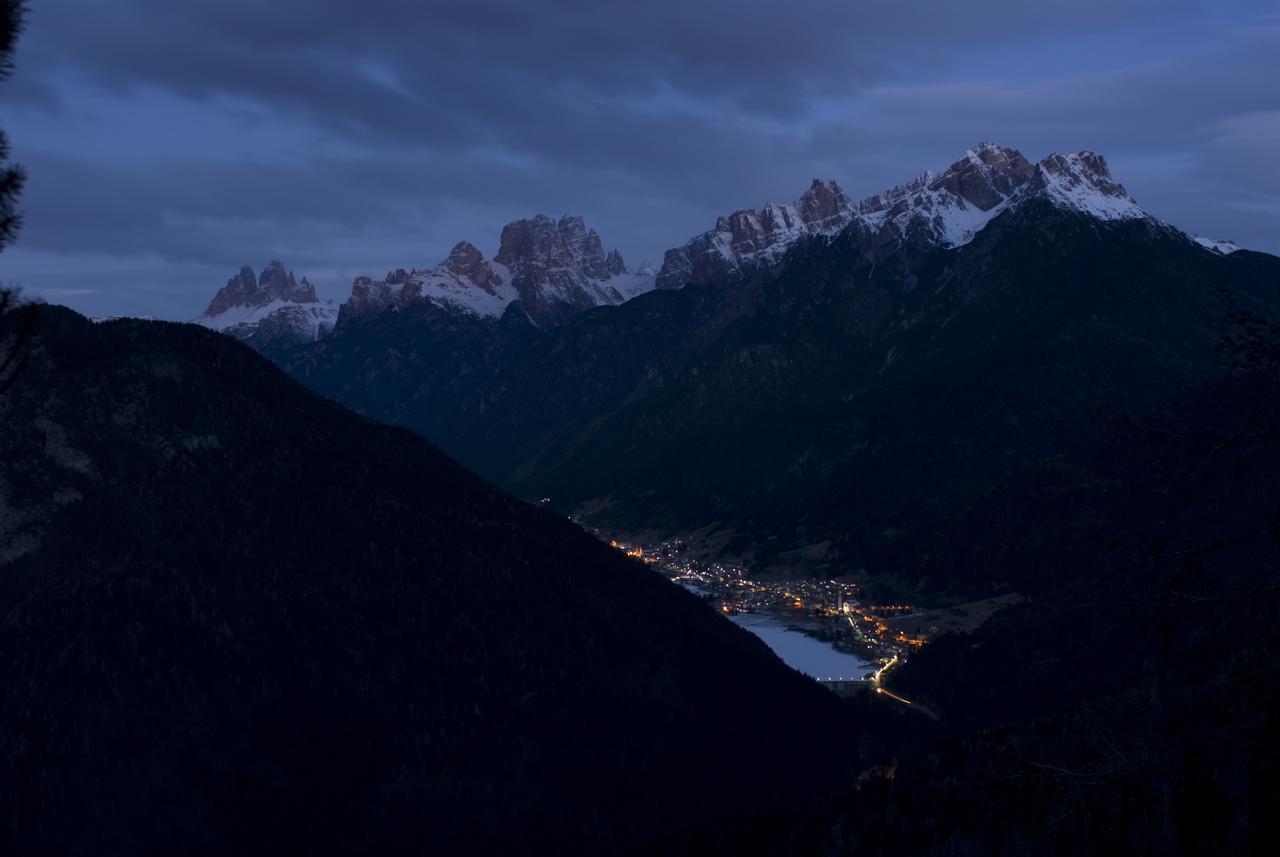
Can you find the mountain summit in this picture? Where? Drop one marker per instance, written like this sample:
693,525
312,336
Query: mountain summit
560,268
555,269
550,271
269,309
274,284
753,238
946,208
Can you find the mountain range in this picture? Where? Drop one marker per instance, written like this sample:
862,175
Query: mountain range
555,270
237,616
837,388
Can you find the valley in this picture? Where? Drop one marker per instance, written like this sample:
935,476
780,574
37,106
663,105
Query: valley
818,627
568,428
895,479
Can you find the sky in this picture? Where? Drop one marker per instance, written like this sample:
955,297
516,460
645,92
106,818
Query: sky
169,143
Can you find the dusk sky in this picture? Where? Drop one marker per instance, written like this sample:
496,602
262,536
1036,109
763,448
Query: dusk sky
169,143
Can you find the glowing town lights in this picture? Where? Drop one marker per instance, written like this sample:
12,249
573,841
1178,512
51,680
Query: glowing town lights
732,592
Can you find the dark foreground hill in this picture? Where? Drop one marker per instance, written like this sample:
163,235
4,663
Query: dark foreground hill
235,616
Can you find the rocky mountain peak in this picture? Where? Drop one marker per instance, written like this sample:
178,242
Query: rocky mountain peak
463,258
824,206
754,237
558,267
554,268
613,262
275,277
1083,166
986,176
275,283
946,208
467,262
538,246
1082,181
269,309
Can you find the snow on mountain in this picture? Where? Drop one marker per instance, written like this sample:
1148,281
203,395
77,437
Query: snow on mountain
311,320
947,208
464,282
556,269
271,308
755,238
1223,248
1083,182
952,206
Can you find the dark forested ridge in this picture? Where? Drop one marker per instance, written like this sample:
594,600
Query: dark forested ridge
936,418
235,615
1135,706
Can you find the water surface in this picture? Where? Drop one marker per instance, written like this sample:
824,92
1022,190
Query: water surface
812,657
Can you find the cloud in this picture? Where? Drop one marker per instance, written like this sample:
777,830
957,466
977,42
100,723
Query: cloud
476,55
203,135
55,292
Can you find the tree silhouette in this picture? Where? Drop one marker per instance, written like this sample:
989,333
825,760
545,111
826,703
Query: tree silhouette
12,176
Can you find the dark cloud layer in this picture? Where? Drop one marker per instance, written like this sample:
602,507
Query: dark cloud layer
169,143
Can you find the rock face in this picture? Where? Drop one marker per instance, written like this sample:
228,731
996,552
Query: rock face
558,268
274,284
946,208
751,238
951,206
464,281
985,176
615,264
269,310
555,269
466,261
1082,180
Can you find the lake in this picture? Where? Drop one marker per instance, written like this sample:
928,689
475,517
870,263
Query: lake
812,657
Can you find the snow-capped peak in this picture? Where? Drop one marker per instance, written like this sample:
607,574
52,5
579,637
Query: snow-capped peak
752,237
951,206
554,268
1221,247
1082,181
947,208
270,308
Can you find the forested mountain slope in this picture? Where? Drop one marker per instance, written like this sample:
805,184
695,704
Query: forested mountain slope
236,615
917,412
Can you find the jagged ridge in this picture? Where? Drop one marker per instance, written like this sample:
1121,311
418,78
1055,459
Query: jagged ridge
948,208
269,309
555,269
